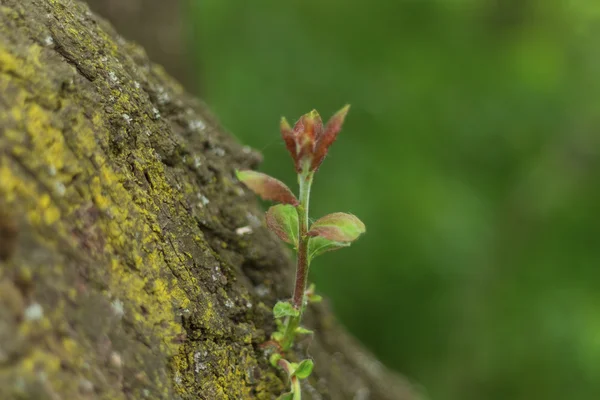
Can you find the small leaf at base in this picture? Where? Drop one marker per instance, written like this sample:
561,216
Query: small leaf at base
303,331
286,396
280,325
314,298
304,369
284,309
274,359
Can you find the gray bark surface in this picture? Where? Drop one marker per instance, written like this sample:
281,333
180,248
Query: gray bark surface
123,272
157,26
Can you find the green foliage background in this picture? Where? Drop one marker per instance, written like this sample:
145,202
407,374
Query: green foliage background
471,152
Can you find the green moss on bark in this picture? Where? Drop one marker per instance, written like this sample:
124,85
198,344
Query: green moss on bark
127,279
101,163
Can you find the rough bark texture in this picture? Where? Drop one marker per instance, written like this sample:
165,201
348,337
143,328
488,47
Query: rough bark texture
157,26
122,270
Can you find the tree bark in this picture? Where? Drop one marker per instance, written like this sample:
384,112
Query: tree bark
157,26
124,273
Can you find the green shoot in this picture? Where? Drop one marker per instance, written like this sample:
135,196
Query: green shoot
308,143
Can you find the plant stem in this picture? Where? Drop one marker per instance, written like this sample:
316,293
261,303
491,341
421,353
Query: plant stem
305,182
296,388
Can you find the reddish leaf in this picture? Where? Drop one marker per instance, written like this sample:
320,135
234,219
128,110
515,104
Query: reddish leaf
339,227
332,129
306,133
267,187
310,126
288,137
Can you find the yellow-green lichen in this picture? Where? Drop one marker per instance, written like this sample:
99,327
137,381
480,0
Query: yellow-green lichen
111,234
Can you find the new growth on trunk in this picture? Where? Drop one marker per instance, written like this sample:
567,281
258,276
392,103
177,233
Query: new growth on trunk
308,143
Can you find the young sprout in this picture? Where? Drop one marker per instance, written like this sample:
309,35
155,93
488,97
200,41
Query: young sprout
308,143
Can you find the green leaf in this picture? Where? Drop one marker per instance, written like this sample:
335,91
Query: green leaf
277,336
267,187
314,298
304,369
280,325
275,357
303,331
284,309
282,219
286,396
319,245
339,227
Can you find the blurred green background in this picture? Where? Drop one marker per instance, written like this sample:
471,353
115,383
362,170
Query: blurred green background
471,152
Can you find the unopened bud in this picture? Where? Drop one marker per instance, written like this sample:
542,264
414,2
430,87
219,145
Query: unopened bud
308,141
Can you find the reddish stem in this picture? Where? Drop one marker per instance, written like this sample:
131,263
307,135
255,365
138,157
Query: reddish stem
305,181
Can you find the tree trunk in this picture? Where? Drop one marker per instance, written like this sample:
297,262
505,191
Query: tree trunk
157,26
123,269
